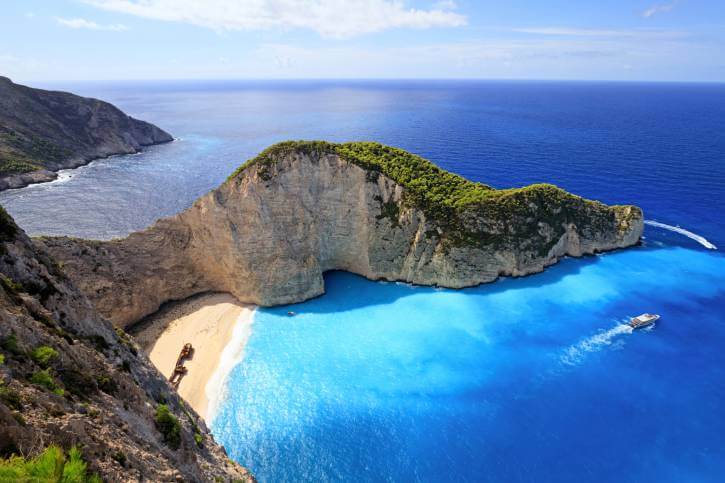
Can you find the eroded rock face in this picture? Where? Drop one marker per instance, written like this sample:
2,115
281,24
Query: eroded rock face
100,392
269,233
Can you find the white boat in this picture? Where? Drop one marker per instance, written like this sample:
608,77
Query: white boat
643,320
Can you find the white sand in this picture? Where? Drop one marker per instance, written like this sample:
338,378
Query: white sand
216,325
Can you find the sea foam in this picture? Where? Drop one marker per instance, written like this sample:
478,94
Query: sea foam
694,236
232,355
574,354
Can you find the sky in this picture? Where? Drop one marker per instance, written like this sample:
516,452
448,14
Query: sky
642,40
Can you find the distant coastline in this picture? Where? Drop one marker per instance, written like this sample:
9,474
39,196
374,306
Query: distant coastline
42,132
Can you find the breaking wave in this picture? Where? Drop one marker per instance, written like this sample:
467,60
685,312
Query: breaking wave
699,239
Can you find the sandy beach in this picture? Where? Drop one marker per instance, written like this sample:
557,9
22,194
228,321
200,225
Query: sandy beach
217,326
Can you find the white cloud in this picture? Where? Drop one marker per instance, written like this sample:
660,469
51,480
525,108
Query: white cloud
330,18
81,23
583,32
655,9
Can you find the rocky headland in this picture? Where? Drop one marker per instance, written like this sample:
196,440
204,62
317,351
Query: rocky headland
44,131
69,378
299,209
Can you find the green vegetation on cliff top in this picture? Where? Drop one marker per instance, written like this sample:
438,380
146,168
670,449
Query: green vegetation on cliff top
440,194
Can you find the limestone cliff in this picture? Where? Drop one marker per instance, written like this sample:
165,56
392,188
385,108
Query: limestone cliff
301,208
67,377
44,131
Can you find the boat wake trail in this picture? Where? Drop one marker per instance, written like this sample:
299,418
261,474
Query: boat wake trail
699,239
575,354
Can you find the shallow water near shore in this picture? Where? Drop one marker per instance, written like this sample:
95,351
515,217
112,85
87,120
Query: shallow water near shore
533,379
522,380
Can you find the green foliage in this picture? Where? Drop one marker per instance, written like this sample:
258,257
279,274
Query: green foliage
44,379
22,154
43,355
468,213
50,466
168,425
106,384
10,344
16,166
120,457
2,359
11,287
199,439
99,342
391,211
10,397
78,383
126,340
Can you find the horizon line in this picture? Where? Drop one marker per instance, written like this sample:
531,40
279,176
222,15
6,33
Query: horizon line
371,79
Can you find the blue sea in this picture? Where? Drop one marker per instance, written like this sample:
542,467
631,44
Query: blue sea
529,379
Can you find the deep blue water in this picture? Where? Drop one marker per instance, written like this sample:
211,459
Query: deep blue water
532,379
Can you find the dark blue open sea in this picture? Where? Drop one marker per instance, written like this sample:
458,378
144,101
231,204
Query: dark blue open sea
531,379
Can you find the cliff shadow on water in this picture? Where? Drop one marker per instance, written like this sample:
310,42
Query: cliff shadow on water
336,282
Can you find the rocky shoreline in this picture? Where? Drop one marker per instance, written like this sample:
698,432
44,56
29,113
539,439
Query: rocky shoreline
21,180
42,132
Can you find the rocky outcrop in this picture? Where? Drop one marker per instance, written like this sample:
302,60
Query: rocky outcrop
269,233
44,131
68,378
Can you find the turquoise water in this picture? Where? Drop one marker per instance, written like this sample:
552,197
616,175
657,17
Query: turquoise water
532,379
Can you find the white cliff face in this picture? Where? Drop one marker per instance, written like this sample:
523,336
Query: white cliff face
268,235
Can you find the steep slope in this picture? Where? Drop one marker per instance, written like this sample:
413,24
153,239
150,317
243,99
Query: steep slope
44,131
301,208
68,378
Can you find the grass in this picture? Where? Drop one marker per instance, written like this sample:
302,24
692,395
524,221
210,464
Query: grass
169,426
50,466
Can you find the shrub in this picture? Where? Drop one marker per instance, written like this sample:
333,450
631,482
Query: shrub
44,379
43,355
465,211
199,439
99,342
49,466
168,425
78,383
10,344
8,228
10,286
120,456
106,384
11,398
126,340
2,359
